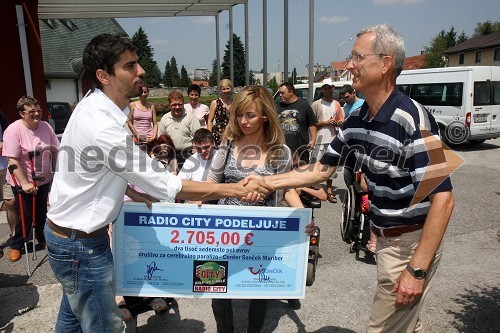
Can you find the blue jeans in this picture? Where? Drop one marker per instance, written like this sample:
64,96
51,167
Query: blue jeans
84,267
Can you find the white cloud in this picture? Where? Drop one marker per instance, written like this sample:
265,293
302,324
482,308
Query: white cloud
397,2
333,19
204,20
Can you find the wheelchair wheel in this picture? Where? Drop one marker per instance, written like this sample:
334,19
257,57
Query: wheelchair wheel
311,274
348,215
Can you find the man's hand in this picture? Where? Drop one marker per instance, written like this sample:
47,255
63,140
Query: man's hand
311,145
254,190
140,197
408,288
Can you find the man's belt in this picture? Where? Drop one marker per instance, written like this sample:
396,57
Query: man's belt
68,232
396,231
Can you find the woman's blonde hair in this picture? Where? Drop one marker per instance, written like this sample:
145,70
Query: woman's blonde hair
225,82
264,104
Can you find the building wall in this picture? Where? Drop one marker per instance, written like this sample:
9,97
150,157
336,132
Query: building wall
470,58
59,90
13,70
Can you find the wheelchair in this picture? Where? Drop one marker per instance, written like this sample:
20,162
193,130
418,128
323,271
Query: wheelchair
355,224
313,256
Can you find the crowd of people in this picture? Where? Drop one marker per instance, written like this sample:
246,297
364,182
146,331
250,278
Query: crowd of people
294,147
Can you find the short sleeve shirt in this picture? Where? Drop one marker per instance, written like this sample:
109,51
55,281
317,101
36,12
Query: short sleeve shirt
295,119
20,140
401,156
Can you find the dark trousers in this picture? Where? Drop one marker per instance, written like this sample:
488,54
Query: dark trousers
223,313
41,215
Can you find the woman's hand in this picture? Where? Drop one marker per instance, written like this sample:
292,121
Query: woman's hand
310,228
29,188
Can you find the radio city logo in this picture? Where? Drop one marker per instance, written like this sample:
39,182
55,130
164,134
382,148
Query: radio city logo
264,273
211,273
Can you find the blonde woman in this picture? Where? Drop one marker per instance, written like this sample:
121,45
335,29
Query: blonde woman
219,111
253,144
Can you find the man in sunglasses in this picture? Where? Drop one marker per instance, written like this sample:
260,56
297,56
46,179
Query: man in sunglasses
351,100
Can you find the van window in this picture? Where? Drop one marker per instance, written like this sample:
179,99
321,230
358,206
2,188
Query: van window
496,92
438,94
482,93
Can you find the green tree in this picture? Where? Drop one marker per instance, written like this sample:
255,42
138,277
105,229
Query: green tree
174,71
212,79
444,40
238,62
146,53
273,85
486,28
167,76
184,81
251,78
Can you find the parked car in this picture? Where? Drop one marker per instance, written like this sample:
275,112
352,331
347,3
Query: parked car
59,112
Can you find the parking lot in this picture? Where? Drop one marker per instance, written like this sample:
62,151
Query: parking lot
465,296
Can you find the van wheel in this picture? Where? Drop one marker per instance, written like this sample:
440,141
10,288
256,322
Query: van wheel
444,139
476,142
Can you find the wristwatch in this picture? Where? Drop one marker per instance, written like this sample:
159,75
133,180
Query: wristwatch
418,273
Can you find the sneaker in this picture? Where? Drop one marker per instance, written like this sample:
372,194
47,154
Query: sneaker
14,255
294,304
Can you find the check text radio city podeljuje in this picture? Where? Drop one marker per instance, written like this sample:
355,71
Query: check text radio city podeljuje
160,220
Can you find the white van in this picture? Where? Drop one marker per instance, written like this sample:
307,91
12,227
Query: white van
465,101
303,91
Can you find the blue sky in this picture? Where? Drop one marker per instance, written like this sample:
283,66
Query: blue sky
191,40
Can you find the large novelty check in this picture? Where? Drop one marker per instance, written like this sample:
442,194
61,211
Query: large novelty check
180,250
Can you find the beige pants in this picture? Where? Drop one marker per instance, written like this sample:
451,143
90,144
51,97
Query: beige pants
393,254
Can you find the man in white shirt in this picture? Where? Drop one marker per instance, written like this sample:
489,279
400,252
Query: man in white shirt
198,165
96,160
179,125
329,114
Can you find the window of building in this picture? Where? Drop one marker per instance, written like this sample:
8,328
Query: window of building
478,56
461,57
496,56
70,24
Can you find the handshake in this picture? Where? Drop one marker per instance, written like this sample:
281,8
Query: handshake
254,189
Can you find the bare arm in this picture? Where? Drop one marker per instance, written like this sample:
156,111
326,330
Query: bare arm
203,191
21,178
130,121
305,175
313,130
211,115
155,124
140,197
442,205
317,193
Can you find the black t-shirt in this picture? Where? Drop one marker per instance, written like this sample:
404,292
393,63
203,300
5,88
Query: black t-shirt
295,119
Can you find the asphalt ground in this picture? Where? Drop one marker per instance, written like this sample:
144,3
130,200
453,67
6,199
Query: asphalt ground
465,295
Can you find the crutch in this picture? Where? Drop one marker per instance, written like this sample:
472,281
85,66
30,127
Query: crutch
21,210
31,155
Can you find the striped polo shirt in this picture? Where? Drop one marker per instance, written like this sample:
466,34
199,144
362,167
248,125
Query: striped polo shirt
400,153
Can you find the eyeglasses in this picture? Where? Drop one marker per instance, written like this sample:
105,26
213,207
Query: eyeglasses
32,112
356,58
176,105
